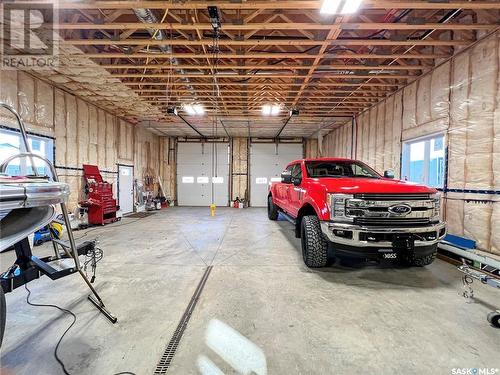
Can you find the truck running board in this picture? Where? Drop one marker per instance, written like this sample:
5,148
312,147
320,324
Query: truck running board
288,217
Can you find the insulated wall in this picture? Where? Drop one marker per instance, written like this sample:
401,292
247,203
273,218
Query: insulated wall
82,132
338,142
460,99
239,154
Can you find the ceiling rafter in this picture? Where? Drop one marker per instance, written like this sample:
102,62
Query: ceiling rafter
254,5
270,52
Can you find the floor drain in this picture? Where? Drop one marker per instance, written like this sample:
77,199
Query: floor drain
168,355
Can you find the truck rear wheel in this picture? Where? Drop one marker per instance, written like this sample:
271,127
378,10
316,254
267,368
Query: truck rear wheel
314,244
420,261
272,210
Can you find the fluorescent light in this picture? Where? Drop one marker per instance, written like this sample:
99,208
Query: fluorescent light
275,109
189,109
194,109
266,110
198,108
350,6
329,6
271,109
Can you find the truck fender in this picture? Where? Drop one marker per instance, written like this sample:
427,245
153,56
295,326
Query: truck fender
309,207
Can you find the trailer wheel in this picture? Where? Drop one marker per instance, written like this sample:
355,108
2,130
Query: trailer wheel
494,318
314,245
3,314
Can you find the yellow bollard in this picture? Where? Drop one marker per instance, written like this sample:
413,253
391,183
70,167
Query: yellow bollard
212,210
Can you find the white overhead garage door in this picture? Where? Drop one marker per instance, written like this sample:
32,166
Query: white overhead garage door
267,161
194,174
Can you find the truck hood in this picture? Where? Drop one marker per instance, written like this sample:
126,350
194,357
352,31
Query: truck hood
370,185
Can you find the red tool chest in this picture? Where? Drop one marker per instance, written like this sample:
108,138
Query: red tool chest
100,202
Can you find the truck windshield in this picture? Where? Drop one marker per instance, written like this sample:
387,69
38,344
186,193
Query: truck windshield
319,169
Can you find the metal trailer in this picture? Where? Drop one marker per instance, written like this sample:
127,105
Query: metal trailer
483,274
26,204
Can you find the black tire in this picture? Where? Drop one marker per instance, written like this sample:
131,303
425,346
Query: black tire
3,314
314,244
272,210
494,318
420,261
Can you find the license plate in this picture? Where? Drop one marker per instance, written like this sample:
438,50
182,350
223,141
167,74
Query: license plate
390,255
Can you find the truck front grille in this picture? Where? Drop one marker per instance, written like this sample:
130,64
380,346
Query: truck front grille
379,209
392,197
393,222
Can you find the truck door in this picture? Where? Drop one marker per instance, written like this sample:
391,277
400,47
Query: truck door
295,191
282,191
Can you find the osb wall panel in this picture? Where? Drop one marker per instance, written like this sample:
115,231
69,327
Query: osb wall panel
83,132
239,168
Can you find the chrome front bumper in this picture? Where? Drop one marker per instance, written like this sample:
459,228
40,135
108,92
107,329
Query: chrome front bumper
328,228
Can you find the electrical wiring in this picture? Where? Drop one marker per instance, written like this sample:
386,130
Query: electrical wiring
254,72
56,349
92,257
59,341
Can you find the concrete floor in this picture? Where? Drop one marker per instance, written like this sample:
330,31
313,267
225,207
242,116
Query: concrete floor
261,308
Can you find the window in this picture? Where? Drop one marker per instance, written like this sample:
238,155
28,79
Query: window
423,161
11,144
202,180
297,171
339,168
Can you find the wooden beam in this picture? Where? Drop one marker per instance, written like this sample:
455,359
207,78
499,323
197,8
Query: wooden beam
272,26
269,84
270,55
259,67
254,5
267,42
260,76
245,93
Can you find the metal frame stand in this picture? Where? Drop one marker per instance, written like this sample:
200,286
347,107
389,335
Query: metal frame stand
482,275
32,267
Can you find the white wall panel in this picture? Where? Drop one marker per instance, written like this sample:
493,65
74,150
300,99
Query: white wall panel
195,172
267,161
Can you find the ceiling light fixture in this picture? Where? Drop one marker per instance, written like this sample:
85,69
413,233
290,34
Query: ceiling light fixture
172,111
350,6
330,6
271,109
345,6
194,109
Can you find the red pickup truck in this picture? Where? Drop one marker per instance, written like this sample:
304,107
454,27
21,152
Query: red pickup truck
343,207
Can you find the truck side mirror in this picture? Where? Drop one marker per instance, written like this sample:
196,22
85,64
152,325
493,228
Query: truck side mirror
389,173
286,177
296,181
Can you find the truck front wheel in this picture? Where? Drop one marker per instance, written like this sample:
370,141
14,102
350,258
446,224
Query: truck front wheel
272,210
314,244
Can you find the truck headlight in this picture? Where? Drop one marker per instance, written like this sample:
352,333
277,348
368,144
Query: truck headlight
436,213
337,205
